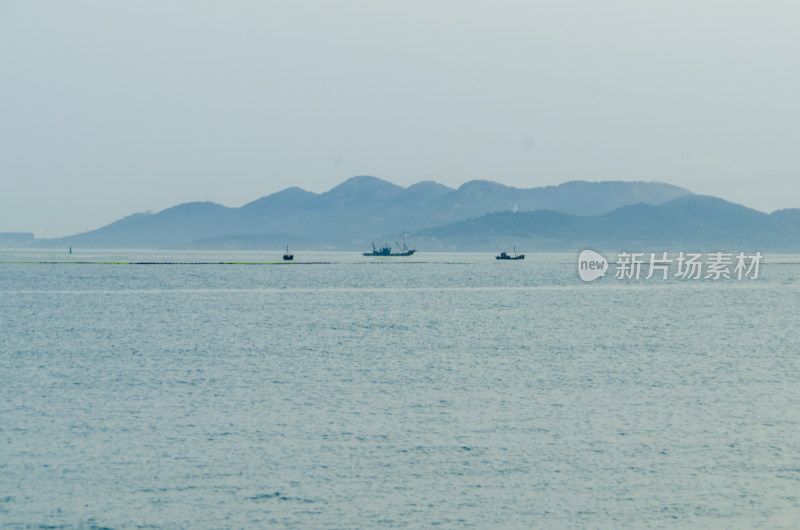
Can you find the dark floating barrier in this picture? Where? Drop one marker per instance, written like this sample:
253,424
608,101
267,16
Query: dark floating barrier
169,262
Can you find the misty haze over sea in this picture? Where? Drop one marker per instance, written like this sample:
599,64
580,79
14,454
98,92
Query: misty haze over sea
479,215
582,309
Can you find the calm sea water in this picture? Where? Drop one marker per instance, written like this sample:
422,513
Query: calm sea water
443,389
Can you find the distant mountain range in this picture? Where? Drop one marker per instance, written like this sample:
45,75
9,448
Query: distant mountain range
352,214
479,215
692,223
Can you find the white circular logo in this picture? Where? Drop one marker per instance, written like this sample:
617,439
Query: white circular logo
591,265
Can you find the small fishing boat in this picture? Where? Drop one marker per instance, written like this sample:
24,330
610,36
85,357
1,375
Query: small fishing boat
505,255
287,256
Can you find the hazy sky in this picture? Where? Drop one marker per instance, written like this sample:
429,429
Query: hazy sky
113,107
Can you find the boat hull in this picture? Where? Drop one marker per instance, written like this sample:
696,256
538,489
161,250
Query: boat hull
505,255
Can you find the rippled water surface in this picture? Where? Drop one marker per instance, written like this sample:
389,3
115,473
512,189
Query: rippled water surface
444,389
